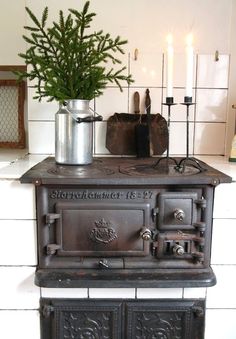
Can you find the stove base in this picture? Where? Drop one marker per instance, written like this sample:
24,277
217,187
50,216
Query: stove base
71,278
122,318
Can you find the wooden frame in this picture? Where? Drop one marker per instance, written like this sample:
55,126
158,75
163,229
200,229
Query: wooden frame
21,98
10,68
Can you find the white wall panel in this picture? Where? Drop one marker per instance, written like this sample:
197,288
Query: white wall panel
17,201
19,324
18,242
17,288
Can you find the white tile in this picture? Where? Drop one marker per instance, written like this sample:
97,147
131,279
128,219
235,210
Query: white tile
143,293
100,138
9,155
112,101
19,249
4,164
17,168
224,203
17,200
222,295
155,95
178,138
147,69
220,324
223,241
211,105
42,110
64,292
111,293
211,73
19,324
209,138
41,137
197,292
179,111
17,288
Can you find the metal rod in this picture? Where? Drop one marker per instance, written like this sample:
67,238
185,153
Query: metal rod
187,133
169,102
168,128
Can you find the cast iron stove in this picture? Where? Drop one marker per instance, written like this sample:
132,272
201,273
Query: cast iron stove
124,222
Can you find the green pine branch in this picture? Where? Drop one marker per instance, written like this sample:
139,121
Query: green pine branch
69,62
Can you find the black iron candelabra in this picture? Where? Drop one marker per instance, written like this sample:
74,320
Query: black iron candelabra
181,165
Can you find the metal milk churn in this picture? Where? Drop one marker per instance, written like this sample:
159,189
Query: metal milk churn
74,133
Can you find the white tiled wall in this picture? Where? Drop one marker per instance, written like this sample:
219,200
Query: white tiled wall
221,298
19,296
208,117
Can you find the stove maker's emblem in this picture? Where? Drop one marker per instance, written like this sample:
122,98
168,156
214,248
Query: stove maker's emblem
103,232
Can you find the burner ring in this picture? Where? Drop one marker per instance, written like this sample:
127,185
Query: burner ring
149,169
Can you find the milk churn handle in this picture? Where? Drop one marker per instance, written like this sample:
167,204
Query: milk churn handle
86,119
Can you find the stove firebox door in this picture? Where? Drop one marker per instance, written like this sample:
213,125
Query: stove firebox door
101,229
177,210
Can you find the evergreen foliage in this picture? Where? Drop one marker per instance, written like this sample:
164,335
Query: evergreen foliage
67,60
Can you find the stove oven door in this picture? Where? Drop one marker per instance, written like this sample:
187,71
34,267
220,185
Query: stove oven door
83,232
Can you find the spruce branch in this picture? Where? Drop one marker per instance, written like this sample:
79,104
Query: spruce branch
68,60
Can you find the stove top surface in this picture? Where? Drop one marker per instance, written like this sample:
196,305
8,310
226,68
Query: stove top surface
126,170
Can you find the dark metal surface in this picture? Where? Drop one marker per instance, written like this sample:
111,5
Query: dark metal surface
140,277
125,171
122,319
123,222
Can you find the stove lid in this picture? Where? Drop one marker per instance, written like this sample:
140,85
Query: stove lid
124,171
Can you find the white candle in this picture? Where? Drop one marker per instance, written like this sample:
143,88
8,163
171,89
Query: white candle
189,66
169,66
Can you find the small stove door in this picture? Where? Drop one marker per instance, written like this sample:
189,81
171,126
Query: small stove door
100,229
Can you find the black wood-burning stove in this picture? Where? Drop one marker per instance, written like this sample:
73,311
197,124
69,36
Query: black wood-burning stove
124,222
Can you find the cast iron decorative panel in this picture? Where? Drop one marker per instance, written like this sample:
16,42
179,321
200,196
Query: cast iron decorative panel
79,319
166,319
122,319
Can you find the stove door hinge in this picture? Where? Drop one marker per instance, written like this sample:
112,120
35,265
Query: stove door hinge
51,217
47,310
155,211
198,311
198,257
52,248
201,203
154,248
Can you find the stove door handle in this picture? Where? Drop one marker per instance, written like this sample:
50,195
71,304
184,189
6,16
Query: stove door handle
179,214
146,234
103,263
